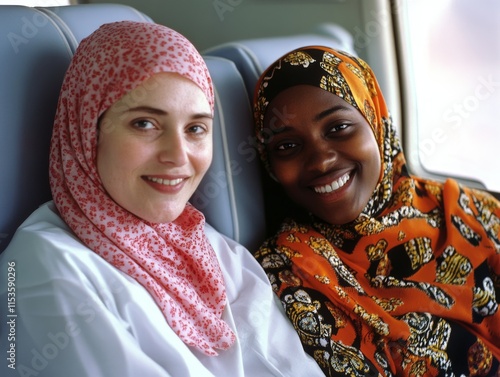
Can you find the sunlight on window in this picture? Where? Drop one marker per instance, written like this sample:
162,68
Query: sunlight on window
455,58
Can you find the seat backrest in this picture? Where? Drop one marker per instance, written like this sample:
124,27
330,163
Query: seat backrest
35,55
252,56
35,52
230,194
77,22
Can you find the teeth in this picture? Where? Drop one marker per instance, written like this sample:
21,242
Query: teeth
335,185
166,182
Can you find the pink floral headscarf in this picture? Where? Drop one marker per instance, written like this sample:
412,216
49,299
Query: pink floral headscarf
173,261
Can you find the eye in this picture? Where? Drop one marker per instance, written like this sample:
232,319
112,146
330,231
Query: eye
197,129
144,124
339,128
285,146
284,149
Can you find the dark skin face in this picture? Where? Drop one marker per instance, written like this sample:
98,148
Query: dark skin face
323,153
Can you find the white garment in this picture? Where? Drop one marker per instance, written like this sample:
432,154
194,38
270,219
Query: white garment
78,316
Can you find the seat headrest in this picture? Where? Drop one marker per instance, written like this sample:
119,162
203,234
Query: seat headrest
253,56
35,53
230,195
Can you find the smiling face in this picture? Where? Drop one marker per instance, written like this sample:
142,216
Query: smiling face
323,153
155,145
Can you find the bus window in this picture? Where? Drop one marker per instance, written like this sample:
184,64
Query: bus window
453,53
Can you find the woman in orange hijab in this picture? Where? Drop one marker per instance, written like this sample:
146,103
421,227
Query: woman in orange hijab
380,272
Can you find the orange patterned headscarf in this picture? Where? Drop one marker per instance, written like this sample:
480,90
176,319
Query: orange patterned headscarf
410,287
173,261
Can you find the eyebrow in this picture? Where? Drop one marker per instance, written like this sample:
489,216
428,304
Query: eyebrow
156,111
329,111
317,118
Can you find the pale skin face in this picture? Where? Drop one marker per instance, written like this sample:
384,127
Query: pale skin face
323,153
154,147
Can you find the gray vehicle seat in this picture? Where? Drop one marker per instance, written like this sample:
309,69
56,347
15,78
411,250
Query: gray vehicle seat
35,52
252,56
77,22
230,195
35,55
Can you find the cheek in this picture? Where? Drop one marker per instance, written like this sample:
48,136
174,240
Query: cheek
286,174
117,159
371,155
104,159
201,157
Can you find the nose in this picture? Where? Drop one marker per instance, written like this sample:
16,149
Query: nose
173,148
321,156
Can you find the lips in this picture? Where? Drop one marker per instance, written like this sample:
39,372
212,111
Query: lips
333,186
165,182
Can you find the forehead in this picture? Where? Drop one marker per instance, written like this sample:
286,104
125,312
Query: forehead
305,100
163,89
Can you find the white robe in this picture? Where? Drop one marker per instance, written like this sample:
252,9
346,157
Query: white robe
75,315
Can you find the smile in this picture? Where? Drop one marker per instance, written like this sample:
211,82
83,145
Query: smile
335,185
166,182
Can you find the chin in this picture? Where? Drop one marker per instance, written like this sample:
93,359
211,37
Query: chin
165,219
160,216
337,220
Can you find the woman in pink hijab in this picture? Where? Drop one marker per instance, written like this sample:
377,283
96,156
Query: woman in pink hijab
120,275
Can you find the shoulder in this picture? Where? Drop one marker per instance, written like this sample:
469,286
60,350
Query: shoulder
228,251
42,232
238,264
45,249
